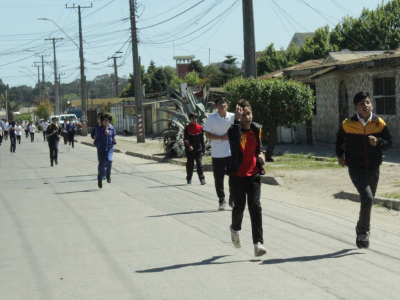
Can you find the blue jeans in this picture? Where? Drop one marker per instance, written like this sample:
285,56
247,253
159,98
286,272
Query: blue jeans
105,162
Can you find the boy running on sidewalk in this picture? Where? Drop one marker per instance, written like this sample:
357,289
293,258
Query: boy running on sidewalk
216,129
53,138
359,144
32,129
18,132
11,133
93,135
45,125
246,167
105,141
71,128
5,128
26,128
194,148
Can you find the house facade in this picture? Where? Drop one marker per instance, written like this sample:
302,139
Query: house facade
335,85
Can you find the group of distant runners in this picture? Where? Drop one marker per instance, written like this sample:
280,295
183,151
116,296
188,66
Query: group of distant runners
236,151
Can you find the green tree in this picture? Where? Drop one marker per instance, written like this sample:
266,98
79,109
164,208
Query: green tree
213,76
44,110
377,29
197,66
275,103
271,60
192,79
319,46
13,107
170,74
229,69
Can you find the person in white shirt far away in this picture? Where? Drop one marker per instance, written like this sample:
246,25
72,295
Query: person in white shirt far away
18,132
32,129
216,129
45,125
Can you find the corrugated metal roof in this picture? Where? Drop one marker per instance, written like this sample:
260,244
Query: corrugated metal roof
280,73
350,55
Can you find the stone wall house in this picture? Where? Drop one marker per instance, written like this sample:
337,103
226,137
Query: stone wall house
335,85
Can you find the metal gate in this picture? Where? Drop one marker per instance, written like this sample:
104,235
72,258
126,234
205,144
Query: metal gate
118,111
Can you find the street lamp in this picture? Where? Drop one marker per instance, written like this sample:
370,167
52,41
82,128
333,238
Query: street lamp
45,19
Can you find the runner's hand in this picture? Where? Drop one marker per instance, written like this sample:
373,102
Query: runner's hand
238,113
342,162
373,141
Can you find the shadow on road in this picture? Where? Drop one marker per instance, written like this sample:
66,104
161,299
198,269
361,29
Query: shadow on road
187,213
210,261
164,186
84,191
338,254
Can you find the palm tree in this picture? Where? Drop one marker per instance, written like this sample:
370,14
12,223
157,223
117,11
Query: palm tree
13,107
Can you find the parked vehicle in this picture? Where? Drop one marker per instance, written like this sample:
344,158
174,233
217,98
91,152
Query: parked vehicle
62,118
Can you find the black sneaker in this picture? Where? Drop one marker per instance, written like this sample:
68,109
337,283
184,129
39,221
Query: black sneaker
108,179
56,162
362,239
51,164
100,184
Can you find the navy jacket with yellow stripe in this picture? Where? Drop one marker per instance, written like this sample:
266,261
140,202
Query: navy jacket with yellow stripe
353,143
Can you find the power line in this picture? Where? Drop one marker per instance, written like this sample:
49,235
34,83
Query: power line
317,11
173,16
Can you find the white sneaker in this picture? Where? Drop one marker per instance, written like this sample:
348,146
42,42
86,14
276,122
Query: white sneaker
259,249
236,241
222,206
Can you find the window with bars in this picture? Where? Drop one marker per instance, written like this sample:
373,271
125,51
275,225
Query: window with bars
385,95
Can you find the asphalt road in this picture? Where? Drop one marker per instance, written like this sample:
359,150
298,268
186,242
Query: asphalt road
148,235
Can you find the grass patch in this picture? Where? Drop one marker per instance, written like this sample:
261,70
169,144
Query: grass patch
289,161
393,195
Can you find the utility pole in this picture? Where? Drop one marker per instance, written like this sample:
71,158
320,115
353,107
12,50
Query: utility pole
249,40
59,82
116,72
38,75
83,79
137,74
42,87
57,99
6,105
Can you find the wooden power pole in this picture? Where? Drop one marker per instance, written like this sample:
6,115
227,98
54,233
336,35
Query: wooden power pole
250,67
83,79
56,96
137,74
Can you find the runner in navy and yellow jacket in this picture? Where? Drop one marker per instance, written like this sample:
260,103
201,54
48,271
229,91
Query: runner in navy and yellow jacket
359,145
245,169
105,141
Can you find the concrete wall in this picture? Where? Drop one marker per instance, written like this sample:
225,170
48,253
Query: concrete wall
326,123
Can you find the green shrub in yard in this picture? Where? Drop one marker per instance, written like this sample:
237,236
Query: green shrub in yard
275,102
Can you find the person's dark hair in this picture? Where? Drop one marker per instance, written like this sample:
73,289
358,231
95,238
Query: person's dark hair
106,116
243,103
360,97
53,119
218,98
100,114
193,115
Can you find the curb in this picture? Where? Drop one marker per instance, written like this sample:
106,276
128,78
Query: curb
386,202
207,168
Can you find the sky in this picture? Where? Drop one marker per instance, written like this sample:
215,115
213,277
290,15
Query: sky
208,29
